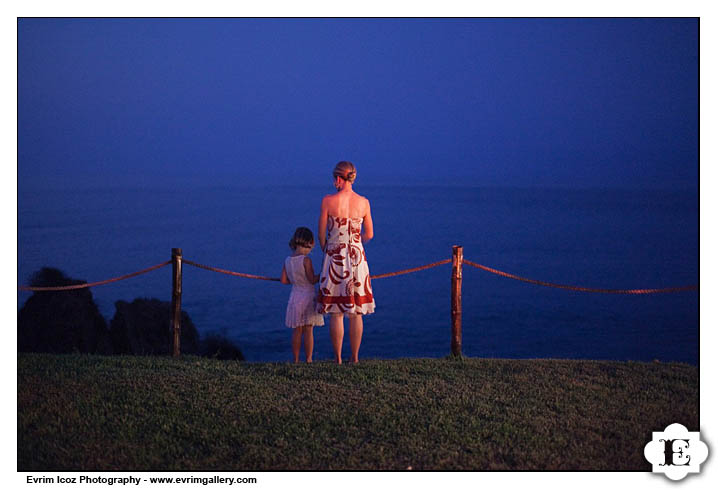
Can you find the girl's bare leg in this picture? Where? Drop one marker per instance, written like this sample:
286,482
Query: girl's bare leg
308,341
296,342
356,329
336,332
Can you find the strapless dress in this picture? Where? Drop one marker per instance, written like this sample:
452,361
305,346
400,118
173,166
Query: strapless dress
344,284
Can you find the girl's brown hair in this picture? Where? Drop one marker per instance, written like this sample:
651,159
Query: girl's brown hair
345,170
303,237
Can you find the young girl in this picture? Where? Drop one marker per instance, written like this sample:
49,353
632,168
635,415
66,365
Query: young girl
301,309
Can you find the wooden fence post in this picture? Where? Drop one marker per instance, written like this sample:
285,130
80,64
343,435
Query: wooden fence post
458,258
176,300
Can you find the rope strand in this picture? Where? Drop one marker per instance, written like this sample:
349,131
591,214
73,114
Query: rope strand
264,278
407,271
92,284
231,273
578,288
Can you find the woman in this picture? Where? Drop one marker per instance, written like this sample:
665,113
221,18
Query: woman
344,284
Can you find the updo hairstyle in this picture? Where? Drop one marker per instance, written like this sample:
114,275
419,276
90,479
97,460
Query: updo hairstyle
345,171
303,237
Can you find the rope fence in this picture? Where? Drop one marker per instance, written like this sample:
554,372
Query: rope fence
92,284
677,289
265,278
231,273
579,288
457,261
408,271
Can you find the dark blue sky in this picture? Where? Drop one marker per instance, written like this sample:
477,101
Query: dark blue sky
515,102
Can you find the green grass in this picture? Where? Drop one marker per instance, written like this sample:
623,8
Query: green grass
97,413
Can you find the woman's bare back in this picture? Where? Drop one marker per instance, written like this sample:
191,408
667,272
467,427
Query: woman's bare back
346,204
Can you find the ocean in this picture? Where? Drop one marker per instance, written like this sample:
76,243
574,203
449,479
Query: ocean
613,239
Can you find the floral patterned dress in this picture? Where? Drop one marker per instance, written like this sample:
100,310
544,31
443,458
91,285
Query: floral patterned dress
344,284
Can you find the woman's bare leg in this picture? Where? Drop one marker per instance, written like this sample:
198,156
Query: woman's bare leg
308,341
356,329
336,332
296,342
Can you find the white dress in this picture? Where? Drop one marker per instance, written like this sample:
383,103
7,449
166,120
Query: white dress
301,309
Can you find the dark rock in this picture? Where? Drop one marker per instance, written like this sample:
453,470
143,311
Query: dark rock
61,321
143,327
218,347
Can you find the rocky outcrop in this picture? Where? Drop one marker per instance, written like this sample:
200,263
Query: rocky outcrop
218,347
143,328
61,321
70,322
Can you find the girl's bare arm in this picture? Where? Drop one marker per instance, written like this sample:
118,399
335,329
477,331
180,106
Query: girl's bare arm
309,271
323,224
283,278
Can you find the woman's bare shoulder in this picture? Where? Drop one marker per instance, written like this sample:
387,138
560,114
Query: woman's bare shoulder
363,200
360,205
359,197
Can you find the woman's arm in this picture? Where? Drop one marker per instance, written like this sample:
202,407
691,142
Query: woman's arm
368,231
309,271
323,224
283,278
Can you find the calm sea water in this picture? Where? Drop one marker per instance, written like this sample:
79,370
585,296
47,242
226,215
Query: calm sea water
596,238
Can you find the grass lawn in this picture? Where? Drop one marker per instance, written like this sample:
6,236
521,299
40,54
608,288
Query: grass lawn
96,413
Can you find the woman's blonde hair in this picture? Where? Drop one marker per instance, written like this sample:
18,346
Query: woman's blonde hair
346,171
303,237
